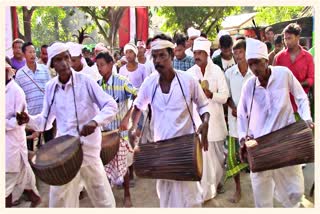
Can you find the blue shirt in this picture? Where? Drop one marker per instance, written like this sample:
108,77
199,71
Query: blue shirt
183,64
34,96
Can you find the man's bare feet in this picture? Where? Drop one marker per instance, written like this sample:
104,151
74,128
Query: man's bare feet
236,197
127,201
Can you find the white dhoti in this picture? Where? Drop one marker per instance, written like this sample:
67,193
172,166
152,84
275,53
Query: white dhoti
213,169
179,193
95,182
17,182
285,184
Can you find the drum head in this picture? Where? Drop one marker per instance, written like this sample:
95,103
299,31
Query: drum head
56,150
198,153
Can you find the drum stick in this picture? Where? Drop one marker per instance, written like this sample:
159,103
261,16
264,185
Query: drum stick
110,132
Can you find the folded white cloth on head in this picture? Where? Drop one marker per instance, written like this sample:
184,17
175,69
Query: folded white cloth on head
132,47
192,32
75,49
256,49
203,44
55,49
161,44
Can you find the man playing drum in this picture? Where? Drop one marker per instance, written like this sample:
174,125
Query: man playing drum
170,116
79,106
265,103
217,93
121,90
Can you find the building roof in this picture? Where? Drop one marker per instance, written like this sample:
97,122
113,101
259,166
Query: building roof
234,22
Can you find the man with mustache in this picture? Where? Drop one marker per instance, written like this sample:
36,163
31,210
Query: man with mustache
217,93
264,107
170,116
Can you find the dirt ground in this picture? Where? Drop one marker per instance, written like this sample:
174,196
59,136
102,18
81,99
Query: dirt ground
143,194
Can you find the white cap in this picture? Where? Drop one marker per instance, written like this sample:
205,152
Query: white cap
222,33
75,49
255,49
192,32
202,44
100,48
131,46
55,49
141,44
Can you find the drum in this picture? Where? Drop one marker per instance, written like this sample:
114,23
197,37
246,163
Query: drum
287,146
58,161
178,158
109,145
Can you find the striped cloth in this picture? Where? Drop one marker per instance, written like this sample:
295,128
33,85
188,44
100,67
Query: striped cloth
234,166
34,96
121,90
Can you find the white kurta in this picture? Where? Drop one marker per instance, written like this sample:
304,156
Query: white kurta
89,99
235,81
271,110
19,175
213,159
170,118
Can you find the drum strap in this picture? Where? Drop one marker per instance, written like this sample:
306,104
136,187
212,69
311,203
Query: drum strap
249,115
75,105
194,125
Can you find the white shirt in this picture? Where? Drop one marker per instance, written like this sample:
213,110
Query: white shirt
271,108
137,76
218,86
235,81
149,67
89,99
15,144
170,115
226,64
189,52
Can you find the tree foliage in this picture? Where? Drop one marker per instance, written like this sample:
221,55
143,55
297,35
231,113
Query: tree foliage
107,20
271,15
206,19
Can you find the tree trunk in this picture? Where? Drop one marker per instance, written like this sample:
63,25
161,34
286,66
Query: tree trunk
56,26
27,15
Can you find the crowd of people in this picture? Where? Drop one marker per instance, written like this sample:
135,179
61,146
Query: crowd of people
245,89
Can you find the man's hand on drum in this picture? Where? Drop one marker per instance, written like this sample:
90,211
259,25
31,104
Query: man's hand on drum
22,118
310,124
124,124
203,130
89,128
243,149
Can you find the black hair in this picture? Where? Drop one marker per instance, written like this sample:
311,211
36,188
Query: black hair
268,29
268,44
165,37
106,56
204,35
148,41
292,28
225,41
278,39
25,45
240,43
180,39
44,46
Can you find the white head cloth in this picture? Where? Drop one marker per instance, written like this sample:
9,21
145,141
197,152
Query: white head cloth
131,46
256,49
75,49
100,48
202,44
192,32
161,44
222,33
55,49
141,44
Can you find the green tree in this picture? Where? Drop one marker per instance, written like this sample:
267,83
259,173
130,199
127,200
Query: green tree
206,19
107,19
270,15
